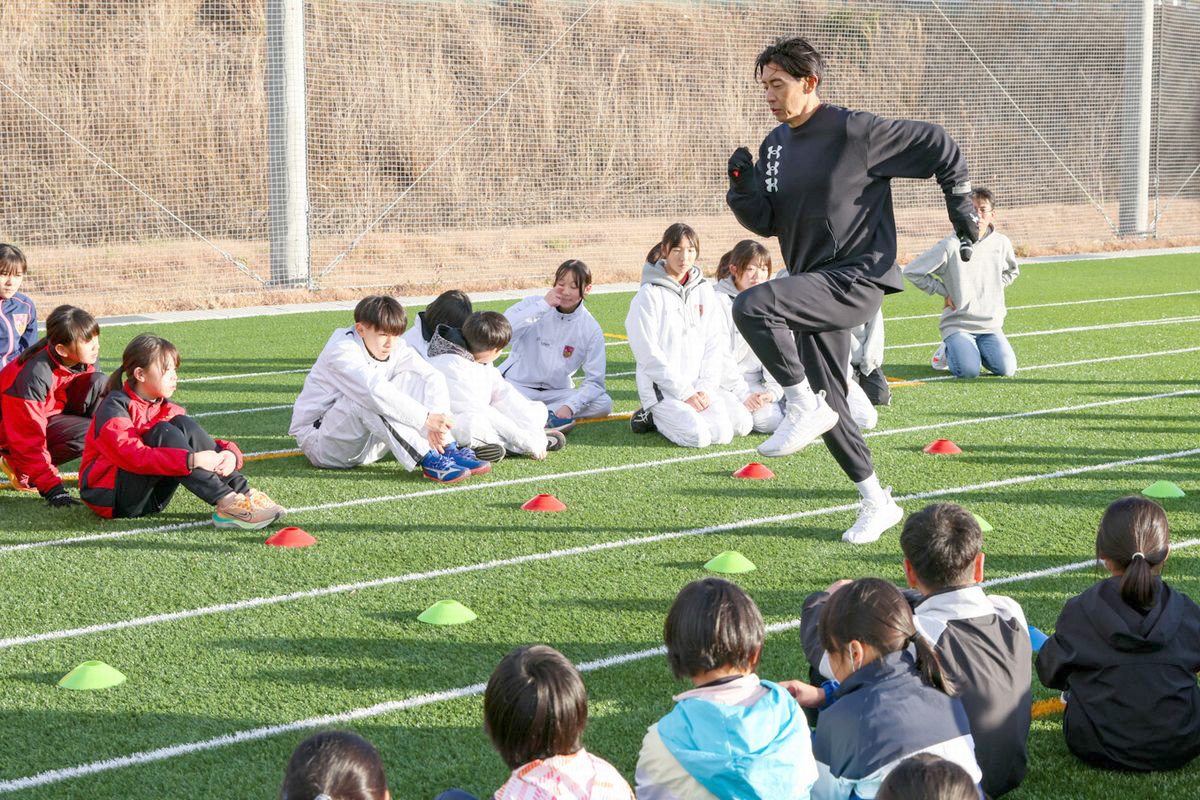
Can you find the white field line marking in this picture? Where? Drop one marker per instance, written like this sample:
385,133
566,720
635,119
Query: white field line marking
1063,303
1021,369
242,411
1079,329
468,487
415,577
379,709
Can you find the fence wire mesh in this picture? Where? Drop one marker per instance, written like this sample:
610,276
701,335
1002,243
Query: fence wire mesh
478,144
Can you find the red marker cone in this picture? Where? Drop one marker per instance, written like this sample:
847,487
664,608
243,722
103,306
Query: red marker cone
754,471
290,537
544,502
943,447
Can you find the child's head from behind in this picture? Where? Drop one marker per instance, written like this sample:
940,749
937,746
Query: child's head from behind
535,706
747,264
337,765
713,625
941,545
1133,541
12,270
149,364
679,248
927,777
380,320
985,206
448,308
868,619
486,334
72,337
573,280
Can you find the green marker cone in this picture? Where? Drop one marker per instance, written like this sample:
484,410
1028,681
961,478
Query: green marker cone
984,525
1163,489
730,562
92,675
447,612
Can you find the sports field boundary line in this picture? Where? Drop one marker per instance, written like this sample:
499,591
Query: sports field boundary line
548,555
1140,323
144,757
1059,304
468,487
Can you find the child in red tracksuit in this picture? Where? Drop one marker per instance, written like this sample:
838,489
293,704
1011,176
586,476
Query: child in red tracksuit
141,446
47,398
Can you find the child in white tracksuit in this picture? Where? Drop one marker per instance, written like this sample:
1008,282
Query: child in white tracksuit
553,336
448,308
974,311
487,410
677,335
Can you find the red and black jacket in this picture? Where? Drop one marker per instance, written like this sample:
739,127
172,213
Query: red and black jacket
114,442
30,394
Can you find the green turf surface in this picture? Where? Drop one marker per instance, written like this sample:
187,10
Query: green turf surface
219,673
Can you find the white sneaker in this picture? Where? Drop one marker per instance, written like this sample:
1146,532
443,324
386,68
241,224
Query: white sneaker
874,517
799,428
938,359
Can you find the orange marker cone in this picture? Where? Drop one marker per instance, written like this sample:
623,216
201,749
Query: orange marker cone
754,471
290,537
544,502
942,447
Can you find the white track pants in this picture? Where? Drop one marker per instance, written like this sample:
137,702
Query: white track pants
351,434
862,411
520,428
724,418
554,399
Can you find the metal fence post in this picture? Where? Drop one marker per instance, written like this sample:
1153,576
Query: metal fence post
287,159
1134,193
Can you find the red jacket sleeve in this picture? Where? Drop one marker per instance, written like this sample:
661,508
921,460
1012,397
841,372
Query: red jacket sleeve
25,431
122,446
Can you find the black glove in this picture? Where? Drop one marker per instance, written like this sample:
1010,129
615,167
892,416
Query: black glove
963,217
57,497
741,169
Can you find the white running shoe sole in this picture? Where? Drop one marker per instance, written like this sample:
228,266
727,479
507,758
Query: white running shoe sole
791,438
882,520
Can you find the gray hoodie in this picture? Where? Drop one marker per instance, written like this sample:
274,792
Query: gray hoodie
976,288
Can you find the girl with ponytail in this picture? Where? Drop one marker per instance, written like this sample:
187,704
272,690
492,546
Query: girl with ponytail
890,698
1127,650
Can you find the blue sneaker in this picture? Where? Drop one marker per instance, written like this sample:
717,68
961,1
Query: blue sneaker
467,458
557,423
443,469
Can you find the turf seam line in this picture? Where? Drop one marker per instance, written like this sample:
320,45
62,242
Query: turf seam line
414,577
363,501
379,709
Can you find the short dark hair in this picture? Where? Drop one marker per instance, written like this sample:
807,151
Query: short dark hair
712,623
535,706
12,260
795,56
981,193
383,313
1135,525
448,308
926,776
486,330
334,763
941,542
573,266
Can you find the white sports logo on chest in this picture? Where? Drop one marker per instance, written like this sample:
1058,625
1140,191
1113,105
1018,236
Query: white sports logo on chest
774,152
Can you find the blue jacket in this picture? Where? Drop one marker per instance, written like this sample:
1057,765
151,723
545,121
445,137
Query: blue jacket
18,326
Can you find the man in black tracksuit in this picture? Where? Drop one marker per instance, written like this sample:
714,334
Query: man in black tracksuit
822,184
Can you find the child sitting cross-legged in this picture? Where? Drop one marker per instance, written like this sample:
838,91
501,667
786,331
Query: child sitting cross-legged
489,414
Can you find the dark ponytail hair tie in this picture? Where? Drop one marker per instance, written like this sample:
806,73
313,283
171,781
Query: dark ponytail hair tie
1138,554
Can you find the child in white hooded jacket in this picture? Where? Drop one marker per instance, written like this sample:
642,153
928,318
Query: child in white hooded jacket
677,334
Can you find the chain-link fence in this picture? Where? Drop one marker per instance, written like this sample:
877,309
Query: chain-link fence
183,153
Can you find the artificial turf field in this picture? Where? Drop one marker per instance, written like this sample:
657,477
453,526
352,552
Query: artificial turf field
1044,453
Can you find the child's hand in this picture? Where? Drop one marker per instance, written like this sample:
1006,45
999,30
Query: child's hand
949,304
553,297
805,694
228,464
206,459
698,401
756,401
437,441
564,412
439,423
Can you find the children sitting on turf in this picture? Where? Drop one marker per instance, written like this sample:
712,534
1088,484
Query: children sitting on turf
18,317
927,777
448,308
677,334
732,735
369,394
893,699
334,765
47,398
535,709
553,336
141,447
1126,652
974,308
489,414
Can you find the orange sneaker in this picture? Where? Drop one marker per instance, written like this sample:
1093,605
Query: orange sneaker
237,511
19,482
260,500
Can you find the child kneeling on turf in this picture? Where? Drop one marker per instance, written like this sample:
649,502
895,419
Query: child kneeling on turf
448,308
1126,652
48,396
489,413
334,765
893,700
552,337
141,446
733,735
677,337
370,394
